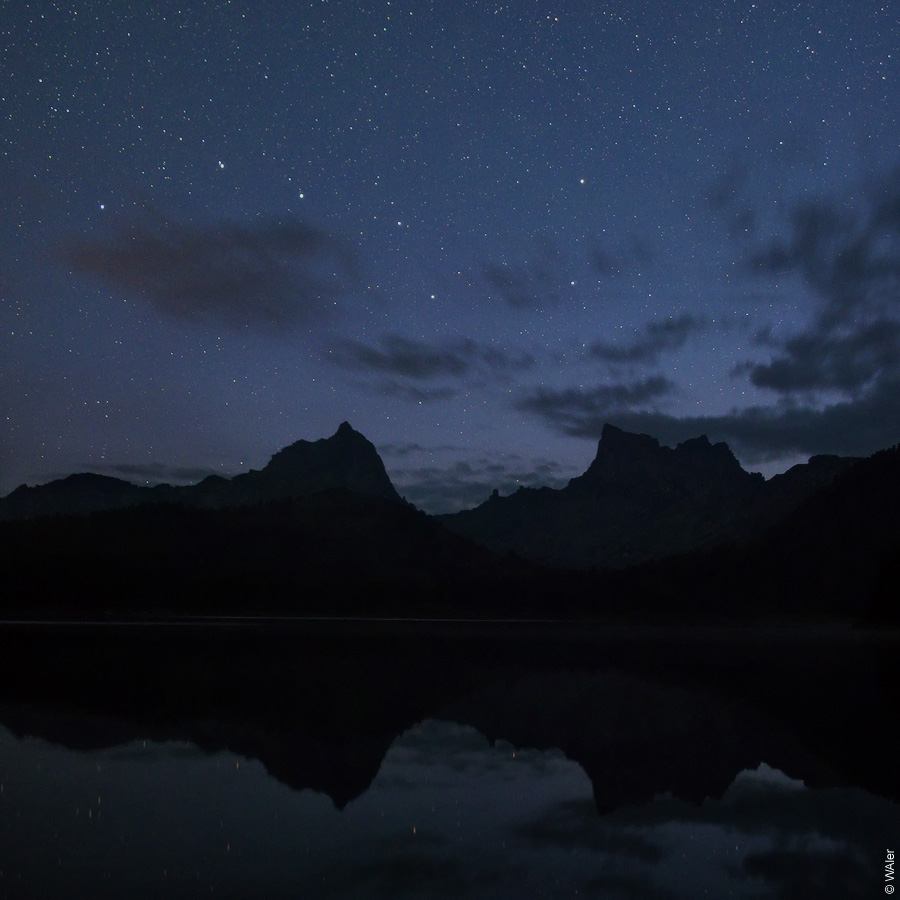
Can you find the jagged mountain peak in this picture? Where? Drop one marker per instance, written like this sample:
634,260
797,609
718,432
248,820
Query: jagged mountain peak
714,457
637,500
345,434
347,460
622,455
345,447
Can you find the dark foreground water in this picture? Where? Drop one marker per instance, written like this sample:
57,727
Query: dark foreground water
342,760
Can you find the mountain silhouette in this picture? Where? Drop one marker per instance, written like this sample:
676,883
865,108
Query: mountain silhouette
346,460
647,531
78,494
334,552
641,501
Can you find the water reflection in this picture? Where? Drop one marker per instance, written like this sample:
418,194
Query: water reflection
448,815
246,766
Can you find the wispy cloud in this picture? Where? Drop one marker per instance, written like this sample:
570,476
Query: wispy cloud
398,355
653,339
424,371
837,380
534,282
824,360
847,251
577,410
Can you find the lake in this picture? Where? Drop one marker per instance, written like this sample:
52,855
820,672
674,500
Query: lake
349,759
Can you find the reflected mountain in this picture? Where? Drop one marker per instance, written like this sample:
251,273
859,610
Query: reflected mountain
320,705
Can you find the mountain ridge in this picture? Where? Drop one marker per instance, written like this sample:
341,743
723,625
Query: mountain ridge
345,460
647,532
639,500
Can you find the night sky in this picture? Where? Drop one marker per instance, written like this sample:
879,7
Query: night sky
475,231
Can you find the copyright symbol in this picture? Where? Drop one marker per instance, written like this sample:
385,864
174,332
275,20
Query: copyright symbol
889,889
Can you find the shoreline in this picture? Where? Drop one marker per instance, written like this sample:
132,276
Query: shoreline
576,630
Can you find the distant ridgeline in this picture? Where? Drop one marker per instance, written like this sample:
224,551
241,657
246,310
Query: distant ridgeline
683,532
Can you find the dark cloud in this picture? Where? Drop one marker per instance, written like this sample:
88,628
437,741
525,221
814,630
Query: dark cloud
568,409
572,824
272,276
654,339
830,247
423,361
757,434
824,360
804,872
401,356
847,252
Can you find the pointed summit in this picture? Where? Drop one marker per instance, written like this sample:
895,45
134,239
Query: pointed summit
345,460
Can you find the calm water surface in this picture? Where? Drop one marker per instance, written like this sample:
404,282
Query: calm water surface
441,764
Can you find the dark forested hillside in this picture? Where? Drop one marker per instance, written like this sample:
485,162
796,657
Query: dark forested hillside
335,552
837,556
640,501
321,531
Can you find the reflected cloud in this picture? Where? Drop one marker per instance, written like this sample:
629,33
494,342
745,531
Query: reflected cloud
805,873
477,799
410,874
576,825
